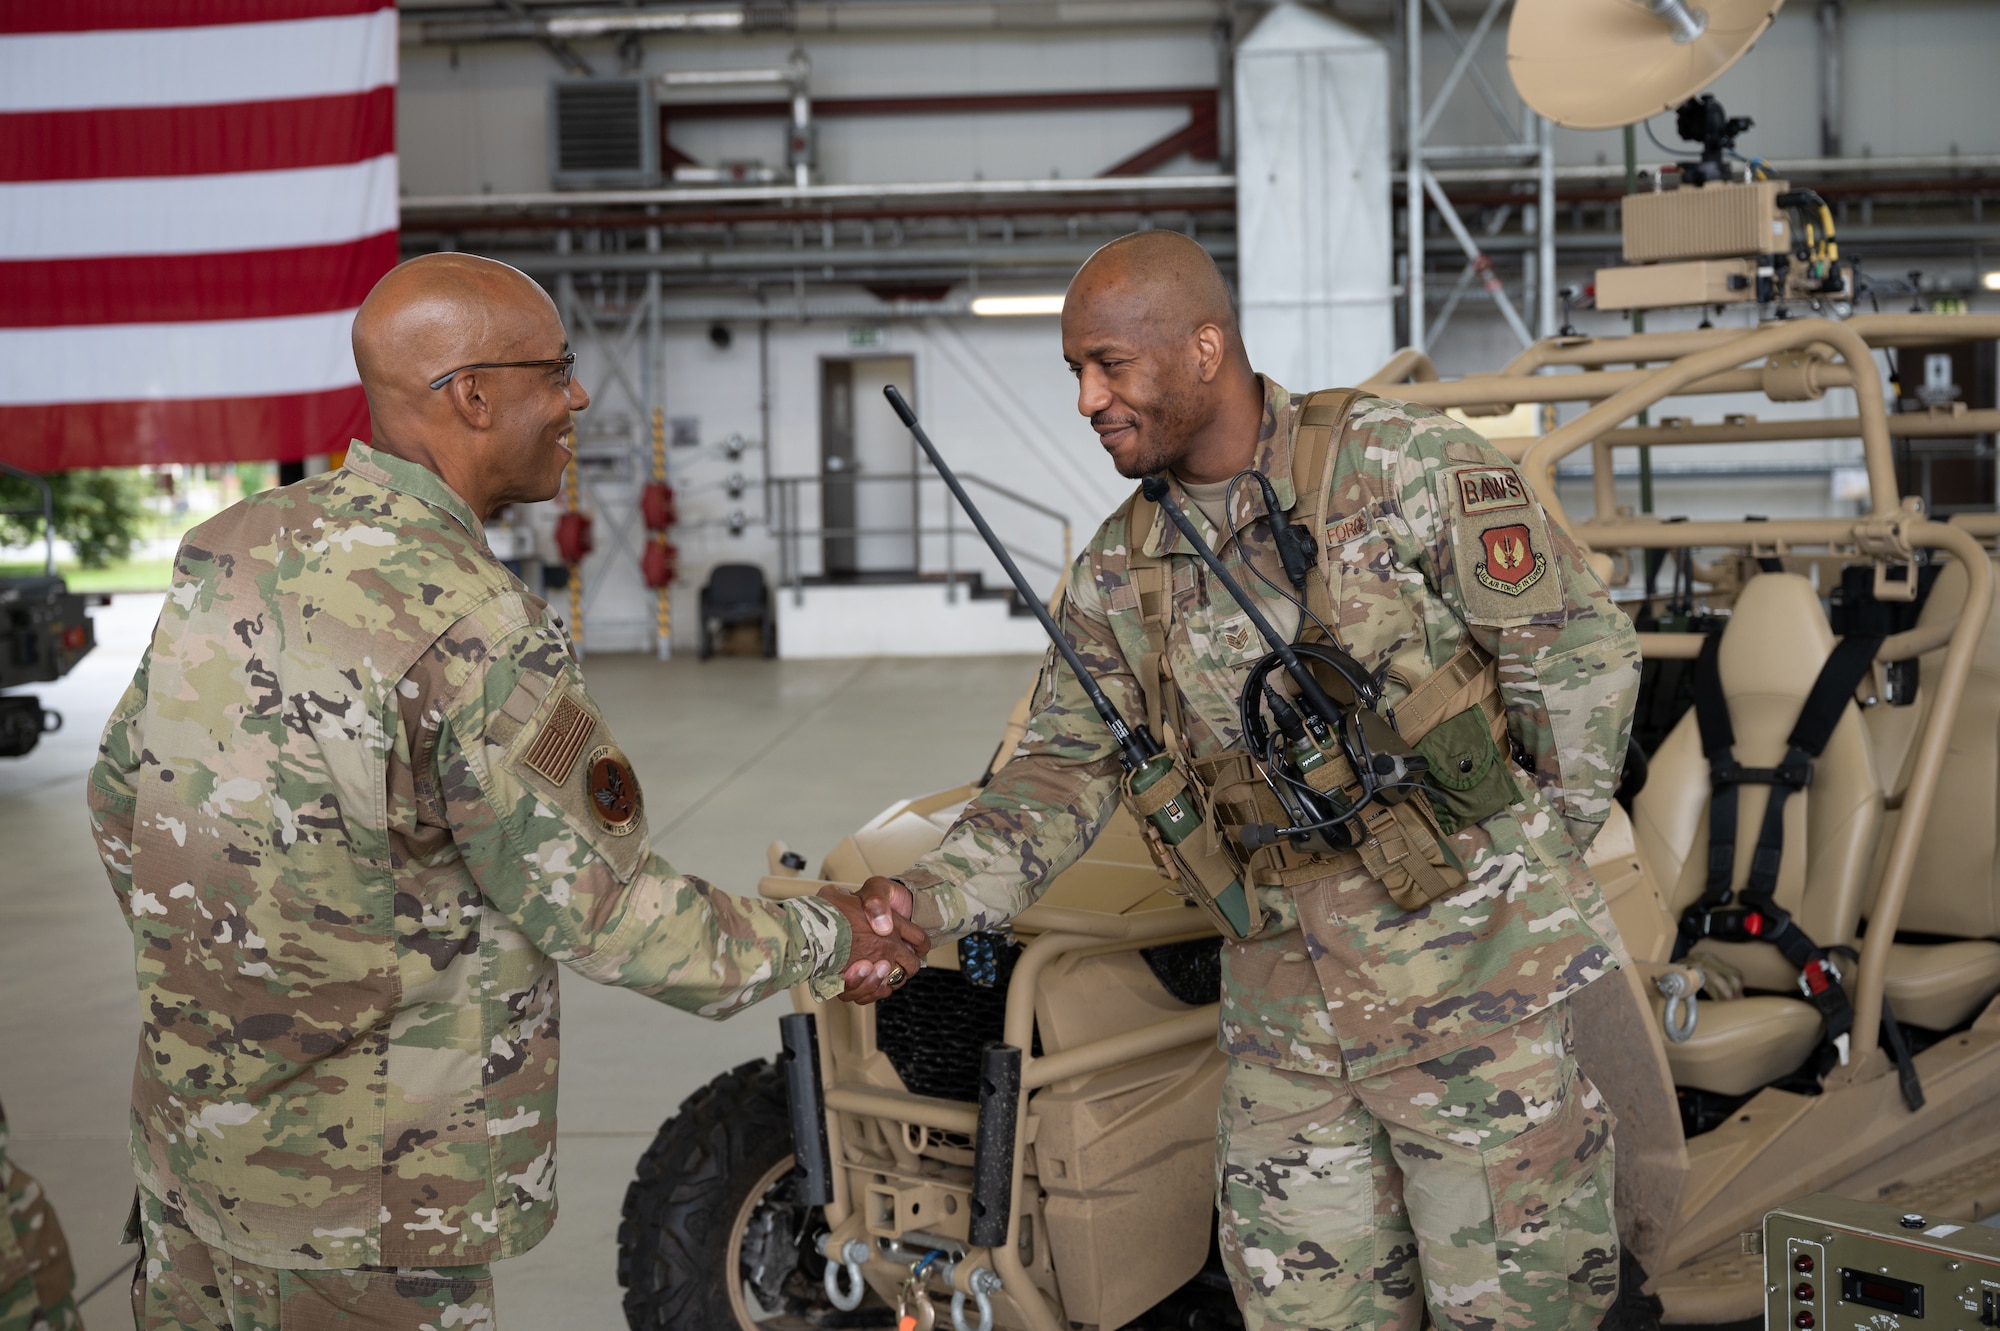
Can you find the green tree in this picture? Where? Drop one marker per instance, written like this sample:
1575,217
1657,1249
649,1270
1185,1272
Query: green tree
98,512
254,477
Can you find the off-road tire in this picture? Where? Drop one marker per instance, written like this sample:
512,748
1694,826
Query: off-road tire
679,1244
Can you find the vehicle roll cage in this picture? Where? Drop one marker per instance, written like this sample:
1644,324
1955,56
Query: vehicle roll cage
1789,360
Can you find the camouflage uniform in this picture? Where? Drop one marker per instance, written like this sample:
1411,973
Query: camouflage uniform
36,1278
355,806
183,1282
1420,1052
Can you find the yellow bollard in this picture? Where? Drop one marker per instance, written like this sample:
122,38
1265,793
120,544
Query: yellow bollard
665,631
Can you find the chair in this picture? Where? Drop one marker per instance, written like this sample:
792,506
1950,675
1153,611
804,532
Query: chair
1771,653
736,595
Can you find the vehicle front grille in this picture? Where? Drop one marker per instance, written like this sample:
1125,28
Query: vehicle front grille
934,1027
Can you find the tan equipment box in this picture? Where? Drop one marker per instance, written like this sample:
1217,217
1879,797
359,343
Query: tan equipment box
1719,221
1654,286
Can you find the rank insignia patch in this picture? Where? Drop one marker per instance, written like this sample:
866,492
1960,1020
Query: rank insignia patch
562,737
613,791
1488,490
1512,564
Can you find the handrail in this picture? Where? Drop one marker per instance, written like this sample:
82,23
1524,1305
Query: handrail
789,530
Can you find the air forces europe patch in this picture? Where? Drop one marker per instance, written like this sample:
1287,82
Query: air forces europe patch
1512,564
1500,544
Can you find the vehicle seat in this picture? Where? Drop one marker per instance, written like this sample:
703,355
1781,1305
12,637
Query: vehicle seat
1771,653
1955,884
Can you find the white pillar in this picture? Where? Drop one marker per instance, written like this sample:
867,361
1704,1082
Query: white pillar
1314,249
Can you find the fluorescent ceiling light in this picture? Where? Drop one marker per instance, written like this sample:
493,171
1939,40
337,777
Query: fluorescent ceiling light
1991,281
1017,305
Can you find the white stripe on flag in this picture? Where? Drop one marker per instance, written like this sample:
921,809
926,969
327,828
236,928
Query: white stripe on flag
198,66
246,210
130,362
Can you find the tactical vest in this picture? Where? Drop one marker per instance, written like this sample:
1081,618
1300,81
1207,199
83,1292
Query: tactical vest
1453,716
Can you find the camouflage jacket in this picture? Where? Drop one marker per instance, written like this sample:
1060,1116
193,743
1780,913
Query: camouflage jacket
34,1256
355,806
1429,537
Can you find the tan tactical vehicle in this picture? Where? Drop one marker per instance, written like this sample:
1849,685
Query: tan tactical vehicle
1081,1194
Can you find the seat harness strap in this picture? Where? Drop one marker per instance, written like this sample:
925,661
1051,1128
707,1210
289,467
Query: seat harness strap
1756,916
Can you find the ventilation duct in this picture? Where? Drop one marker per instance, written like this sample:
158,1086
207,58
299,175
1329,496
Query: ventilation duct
604,134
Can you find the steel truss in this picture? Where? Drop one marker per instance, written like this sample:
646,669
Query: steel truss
1529,140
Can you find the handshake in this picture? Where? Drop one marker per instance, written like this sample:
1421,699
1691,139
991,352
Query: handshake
887,948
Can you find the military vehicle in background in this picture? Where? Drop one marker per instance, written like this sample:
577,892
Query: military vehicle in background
46,632
1023,1136
1098,1205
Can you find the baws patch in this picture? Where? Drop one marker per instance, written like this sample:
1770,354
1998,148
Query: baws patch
1479,490
1512,563
1504,563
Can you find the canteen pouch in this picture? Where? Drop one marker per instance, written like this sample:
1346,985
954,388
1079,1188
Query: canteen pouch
1468,781
1201,867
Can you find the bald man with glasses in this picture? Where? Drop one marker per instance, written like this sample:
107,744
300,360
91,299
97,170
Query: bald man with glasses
355,806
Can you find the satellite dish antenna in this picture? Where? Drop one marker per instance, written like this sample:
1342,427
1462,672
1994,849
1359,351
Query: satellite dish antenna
1601,64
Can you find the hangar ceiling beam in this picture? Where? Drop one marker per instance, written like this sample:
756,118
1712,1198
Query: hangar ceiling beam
429,26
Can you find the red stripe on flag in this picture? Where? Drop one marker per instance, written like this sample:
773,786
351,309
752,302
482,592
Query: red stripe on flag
18,16
133,434
188,288
198,140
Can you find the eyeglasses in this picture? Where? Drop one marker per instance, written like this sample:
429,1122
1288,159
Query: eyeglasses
567,364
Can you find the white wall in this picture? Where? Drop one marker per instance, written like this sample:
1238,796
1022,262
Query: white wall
474,119
994,392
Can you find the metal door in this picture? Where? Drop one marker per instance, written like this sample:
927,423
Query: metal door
868,489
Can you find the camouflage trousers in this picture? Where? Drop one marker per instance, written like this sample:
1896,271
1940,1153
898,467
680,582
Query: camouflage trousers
1478,1183
182,1284
36,1279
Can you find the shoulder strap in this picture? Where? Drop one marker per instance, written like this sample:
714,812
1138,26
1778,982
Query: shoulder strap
1827,703
1148,574
1471,678
1318,427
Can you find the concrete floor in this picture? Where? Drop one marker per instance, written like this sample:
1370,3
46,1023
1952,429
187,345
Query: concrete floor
732,754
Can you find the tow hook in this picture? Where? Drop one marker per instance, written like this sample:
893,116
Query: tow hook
1682,991
852,1255
983,1281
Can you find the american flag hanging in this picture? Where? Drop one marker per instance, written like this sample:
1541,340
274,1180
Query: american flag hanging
194,197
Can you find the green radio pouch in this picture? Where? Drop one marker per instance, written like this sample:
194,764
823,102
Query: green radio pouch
1468,779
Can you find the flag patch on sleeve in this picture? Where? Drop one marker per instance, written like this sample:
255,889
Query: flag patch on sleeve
562,738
